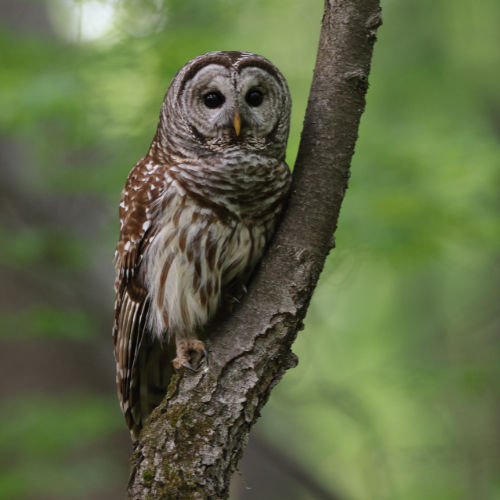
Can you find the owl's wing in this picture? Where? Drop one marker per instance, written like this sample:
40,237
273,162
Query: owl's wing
138,216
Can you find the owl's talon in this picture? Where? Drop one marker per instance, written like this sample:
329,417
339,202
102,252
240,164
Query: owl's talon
189,367
184,348
202,351
183,363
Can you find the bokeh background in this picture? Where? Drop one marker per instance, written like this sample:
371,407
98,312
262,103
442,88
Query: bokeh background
396,395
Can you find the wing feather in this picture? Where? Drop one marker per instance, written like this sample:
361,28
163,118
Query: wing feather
138,214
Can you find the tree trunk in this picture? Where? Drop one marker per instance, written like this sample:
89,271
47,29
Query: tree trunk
195,437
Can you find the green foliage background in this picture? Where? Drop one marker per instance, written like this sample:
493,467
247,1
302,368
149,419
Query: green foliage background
396,393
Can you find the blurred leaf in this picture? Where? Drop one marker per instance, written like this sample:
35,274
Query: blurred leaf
37,437
43,321
32,245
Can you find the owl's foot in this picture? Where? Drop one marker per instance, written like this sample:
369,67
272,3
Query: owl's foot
184,349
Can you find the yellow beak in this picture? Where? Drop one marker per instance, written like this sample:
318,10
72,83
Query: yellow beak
237,123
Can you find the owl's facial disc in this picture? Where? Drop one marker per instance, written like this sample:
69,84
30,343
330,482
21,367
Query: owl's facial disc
223,106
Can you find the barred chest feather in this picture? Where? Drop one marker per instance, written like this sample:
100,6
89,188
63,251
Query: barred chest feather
198,251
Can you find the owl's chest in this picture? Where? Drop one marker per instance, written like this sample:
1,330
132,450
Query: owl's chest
201,246
194,256
245,187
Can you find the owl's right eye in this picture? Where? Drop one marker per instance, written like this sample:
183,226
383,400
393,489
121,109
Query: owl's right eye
213,100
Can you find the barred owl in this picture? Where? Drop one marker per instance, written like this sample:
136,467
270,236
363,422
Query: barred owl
195,217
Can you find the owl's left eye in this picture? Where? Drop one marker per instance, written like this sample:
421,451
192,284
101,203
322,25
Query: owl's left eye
254,97
213,100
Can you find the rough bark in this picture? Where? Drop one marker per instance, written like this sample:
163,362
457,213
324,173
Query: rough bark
194,439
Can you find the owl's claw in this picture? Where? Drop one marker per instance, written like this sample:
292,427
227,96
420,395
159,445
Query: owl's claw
184,348
189,367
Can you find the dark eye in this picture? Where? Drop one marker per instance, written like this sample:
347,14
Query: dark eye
254,97
213,100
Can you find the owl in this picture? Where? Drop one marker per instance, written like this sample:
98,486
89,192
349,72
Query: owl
196,215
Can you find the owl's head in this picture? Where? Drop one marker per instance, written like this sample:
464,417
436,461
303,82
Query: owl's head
226,100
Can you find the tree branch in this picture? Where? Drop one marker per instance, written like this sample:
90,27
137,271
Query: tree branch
195,438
